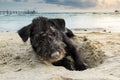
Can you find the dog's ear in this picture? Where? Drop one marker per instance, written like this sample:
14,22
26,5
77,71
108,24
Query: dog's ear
69,33
24,33
58,23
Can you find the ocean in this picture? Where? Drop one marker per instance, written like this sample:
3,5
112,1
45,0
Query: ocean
108,21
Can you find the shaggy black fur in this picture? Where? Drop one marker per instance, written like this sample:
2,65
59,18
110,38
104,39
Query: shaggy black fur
48,36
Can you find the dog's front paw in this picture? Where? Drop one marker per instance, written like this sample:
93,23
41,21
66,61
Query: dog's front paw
80,67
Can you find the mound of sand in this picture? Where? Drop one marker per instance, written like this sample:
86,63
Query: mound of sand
18,61
90,51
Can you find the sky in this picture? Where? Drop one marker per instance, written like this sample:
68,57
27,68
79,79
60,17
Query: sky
61,5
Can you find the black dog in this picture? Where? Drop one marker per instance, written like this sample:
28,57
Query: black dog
50,40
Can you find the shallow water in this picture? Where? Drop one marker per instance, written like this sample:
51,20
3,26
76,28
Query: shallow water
109,21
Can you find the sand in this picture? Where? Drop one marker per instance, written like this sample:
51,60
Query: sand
18,62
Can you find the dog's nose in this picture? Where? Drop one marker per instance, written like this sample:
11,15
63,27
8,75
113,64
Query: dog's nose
55,55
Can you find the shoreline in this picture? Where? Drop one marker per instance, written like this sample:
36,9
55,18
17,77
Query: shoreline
81,30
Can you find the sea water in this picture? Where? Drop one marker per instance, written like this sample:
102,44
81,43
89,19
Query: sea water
108,21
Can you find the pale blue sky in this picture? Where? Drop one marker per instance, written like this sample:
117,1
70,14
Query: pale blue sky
60,5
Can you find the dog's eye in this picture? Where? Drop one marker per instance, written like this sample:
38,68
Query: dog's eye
54,33
51,24
52,28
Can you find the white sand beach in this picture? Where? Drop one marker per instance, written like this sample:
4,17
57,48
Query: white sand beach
18,61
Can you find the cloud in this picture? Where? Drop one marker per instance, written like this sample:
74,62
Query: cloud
70,3
6,0
34,1
67,5
74,3
20,0
27,1
111,4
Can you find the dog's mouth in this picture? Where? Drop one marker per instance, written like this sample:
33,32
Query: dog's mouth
56,56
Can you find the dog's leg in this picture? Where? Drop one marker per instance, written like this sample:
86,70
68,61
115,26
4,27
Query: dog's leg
71,50
65,63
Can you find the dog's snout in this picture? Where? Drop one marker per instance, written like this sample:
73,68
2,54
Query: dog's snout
55,54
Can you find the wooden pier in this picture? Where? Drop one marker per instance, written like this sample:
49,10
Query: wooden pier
17,12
